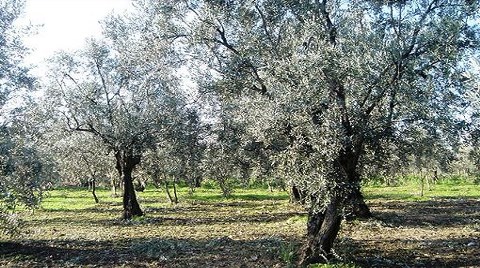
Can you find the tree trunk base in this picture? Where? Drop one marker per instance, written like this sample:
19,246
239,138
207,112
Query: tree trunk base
361,211
323,228
128,215
357,208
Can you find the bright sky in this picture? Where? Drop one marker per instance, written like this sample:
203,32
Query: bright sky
66,24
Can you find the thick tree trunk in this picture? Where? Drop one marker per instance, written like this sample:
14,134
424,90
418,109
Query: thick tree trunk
357,208
324,225
355,203
127,161
130,204
322,229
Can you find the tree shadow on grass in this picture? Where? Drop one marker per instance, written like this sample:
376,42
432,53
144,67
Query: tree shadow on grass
235,218
259,197
214,197
92,209
156,252
449,239
390,196
236,212
460,252
433,213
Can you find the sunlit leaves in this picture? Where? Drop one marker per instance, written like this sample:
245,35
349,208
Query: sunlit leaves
336,82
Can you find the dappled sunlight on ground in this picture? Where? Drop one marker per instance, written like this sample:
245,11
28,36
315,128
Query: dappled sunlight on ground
248,230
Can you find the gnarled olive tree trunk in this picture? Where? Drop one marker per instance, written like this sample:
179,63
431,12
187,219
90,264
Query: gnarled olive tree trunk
126,162
322,230
324,223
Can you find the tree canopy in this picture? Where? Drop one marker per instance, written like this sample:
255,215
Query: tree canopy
23,173
322,93
337,79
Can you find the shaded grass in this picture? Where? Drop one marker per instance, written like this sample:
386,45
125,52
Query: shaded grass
206,229
153,251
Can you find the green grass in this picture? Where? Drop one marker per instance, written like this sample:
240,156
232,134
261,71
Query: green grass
252,226
412,190
77,198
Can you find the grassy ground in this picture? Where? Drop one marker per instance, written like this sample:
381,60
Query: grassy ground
254,228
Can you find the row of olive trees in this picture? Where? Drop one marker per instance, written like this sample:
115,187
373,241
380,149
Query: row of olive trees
122,92
316,92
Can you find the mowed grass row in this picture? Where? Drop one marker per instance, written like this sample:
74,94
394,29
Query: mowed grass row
72,198
412,190
252,228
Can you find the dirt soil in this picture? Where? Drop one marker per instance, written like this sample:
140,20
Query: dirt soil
436,233
251,233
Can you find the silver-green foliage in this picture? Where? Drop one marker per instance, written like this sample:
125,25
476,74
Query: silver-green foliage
25,174
81,159
23,171
13,73
119,89
336,79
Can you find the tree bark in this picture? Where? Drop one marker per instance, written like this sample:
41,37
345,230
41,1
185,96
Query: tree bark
322,229
126,162
168,192
296,195
355,203
93,183
324,225
357,208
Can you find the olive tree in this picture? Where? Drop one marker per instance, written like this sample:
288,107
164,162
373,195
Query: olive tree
223,161
13,72
178,156
23,171
188,147
337,77
120,89
83,160
473,146
25,174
